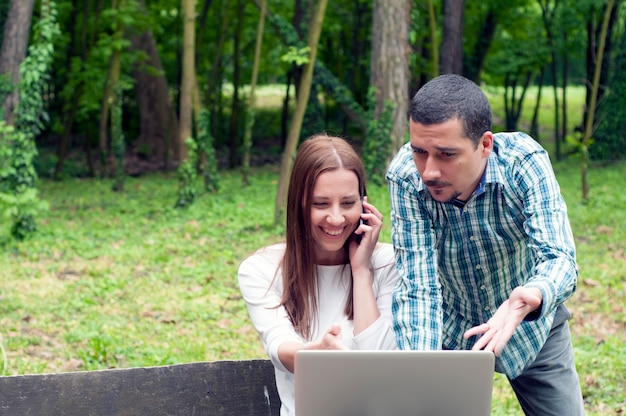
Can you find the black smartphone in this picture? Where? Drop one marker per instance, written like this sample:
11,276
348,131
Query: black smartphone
359,237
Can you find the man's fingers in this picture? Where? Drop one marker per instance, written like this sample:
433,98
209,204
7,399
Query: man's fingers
477,330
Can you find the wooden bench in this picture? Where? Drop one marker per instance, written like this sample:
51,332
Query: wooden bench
231,388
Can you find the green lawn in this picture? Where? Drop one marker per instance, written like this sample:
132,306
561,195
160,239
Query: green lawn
121,280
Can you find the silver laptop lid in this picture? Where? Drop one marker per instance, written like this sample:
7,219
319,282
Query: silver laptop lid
393,383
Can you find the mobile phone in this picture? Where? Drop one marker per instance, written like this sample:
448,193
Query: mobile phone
359,237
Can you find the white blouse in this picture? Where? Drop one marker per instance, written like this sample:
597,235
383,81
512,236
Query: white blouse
261,287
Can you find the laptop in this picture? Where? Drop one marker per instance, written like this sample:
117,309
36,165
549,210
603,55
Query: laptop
393,383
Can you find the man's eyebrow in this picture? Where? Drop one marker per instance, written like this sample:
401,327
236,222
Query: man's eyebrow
439,148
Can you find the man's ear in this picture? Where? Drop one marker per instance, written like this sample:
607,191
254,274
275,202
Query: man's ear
486,143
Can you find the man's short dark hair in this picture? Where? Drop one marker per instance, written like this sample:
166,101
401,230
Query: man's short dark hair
451,96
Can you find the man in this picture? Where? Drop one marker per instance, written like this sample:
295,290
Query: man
484,246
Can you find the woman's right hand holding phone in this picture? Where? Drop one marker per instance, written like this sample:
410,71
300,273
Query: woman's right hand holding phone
367,232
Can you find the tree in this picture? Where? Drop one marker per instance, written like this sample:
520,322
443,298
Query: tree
247,137
158,124
452,41
609,140
286,162
187,151
112,90
389,73
548,14
17,183
13,51
188,75
589,121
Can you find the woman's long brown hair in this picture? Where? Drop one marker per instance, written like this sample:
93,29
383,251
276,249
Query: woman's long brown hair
315,156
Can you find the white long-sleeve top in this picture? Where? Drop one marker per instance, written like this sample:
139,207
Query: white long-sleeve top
262,286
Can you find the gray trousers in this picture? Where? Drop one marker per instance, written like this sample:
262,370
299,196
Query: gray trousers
550,386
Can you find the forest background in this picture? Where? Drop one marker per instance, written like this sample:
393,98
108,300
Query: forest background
146,144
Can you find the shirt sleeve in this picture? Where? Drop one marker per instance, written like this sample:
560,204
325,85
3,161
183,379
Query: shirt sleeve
416,301
549,231
260,290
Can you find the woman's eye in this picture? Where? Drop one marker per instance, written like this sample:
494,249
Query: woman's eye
349,203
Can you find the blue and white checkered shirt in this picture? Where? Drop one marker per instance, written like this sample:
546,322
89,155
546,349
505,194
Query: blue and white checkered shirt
457,265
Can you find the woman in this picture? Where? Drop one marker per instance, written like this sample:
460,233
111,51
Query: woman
329,285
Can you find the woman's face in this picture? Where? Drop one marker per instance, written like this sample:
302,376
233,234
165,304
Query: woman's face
335,213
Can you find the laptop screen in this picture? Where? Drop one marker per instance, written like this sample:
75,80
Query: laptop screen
393,383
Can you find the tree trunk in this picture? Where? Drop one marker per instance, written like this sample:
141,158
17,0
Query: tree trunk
340,93
547,16
286,162
432,23
233,136
13,50
109,98
534,124
473,65
452,42
594,94
389,63
69,114
188,74
247,136
158,125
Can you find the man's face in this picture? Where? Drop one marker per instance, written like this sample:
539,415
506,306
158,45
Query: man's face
448,162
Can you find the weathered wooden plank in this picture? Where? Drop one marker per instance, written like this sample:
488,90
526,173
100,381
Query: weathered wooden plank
226,388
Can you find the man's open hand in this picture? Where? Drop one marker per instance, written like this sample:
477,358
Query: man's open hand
498,330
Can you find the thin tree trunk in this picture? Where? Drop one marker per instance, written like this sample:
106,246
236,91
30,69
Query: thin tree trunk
247,137
188,74
110,92
432,19
13,50
70,114
286,163
534,124
592,106
564,81
233,138
547,15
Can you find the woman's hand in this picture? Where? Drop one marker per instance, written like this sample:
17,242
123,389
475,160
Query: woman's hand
331,340
360,253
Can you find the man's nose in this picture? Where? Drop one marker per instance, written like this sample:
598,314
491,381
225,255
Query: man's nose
431,170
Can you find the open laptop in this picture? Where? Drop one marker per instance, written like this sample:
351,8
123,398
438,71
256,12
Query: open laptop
393,383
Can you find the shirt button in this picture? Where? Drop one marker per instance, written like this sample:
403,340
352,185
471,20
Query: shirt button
478,267
483,287
487,308
472,238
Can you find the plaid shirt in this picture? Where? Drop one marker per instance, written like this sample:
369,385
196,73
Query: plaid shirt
457,265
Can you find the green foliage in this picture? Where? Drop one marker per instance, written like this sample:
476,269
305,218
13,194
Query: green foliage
19,201
206,146
18,194
377,147
187,175
297,56
35,76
